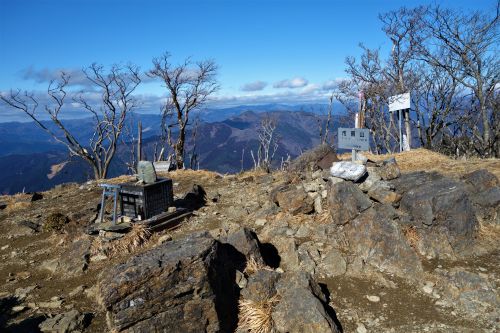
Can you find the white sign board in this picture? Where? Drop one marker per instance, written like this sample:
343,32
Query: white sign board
162,166
354,138
399,102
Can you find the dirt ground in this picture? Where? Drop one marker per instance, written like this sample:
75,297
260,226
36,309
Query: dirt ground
232,200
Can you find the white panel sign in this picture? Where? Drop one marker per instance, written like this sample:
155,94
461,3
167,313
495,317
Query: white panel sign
354,138
399,102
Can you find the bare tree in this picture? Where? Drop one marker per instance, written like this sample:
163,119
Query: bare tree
268,144
403,27
116,100
189,86
465,47
324,132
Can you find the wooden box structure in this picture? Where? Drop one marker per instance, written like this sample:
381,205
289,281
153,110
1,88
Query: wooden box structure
146,200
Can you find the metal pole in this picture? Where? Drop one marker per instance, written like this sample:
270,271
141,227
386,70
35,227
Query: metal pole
102,204
139,142
356,125
400,132
114,206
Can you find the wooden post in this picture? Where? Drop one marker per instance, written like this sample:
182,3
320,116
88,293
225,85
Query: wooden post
139,141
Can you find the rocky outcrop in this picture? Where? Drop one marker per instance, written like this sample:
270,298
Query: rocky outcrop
184,285
440,206
485,195
302,306
346,201
376,240
74,262
320,157
68,322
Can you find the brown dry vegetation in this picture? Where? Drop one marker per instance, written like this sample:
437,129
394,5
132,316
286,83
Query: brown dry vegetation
425,160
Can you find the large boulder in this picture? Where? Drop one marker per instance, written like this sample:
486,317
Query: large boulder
346,201
376,240
485,195
303,307
186,285
440,205
68,322
245,242
320,157
295,201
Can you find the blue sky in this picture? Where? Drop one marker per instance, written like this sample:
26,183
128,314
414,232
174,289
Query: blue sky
265,49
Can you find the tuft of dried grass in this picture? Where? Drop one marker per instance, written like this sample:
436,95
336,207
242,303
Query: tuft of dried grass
253,266
412,236
132,241
17,206
256,317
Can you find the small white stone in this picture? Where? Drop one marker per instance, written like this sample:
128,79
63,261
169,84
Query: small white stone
373,298
361,328
4,247
260,222
482,269
279,270
324,194
427,289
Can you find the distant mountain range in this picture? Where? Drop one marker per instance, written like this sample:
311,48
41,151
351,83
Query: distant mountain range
31,161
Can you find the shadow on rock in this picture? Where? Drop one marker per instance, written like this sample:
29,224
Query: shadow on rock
270,255
328,309
27,325
194,199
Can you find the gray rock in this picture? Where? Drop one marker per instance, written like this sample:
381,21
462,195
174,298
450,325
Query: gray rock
320,157
389,169
381,194
332,264
318,208
346,201
245,242
480,181
372,178
74,262
186,285
287,250
377,240
442,205
261,286
302,306
72,321
347,170
295,201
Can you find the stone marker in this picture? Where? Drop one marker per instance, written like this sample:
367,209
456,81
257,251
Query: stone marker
348,170
146,172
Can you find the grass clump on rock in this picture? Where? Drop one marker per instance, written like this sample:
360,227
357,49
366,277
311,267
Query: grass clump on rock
55,222
256,317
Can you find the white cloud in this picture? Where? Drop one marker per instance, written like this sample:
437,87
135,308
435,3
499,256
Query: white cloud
254,86
297,82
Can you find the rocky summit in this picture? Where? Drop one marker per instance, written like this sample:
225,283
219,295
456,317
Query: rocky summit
402,243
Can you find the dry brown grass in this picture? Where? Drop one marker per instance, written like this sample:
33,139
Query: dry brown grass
253,266
135,239
412,236
425,160
256,317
